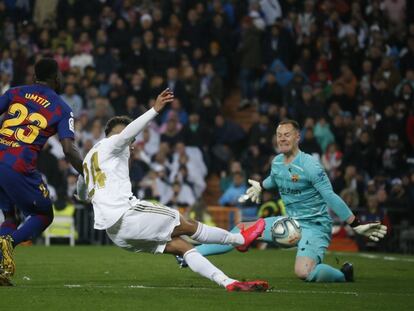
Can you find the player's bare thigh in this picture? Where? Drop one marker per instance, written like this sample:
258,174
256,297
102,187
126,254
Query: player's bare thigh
303,266
186,227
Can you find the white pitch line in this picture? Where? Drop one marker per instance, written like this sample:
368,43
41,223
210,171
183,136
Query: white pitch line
137,287
287,291
272,290
372,256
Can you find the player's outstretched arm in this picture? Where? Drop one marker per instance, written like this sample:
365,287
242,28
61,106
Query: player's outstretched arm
373,231
135,127
72,154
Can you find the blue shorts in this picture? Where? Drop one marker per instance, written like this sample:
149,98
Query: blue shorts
27,193
314,242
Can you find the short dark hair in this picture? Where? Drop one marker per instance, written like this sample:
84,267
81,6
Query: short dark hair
294,123
46,69
125,120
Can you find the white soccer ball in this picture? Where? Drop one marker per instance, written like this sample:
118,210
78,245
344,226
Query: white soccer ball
286,232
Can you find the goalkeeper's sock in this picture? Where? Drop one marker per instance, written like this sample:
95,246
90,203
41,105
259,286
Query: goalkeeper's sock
214,249
267,233
325,273
213,235
202,266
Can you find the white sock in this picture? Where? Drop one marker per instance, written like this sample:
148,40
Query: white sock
202,266
214,235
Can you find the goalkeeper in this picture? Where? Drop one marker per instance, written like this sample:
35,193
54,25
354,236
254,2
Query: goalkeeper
306,192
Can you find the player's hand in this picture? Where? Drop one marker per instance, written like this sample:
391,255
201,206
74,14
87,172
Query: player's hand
163,99
82,190
374,231
254,191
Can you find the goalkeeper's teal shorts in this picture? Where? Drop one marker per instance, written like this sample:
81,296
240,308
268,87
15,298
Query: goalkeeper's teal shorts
314,242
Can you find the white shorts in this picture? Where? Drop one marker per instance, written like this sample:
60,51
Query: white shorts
145,227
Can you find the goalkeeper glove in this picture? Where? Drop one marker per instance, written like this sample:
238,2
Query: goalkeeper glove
374,231
254,191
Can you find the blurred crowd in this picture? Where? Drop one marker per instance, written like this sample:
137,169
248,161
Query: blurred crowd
344,69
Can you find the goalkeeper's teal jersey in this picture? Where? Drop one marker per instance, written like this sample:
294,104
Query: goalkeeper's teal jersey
305,190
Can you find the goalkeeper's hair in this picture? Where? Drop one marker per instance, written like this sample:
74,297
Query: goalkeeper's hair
112,122
294,123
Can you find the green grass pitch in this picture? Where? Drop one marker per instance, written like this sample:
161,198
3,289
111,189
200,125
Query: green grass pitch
108,278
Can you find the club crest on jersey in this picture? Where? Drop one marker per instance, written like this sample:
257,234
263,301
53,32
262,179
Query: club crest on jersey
294,177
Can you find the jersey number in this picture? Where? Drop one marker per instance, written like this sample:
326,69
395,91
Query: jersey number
98,177
21,114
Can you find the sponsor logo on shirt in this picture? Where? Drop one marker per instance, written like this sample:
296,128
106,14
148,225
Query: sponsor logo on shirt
284,190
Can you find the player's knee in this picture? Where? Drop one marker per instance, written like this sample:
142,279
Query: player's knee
178,246
186,227
301,272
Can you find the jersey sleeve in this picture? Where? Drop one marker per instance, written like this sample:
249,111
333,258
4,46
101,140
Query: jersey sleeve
4,102
269,182
124,138
66,125
323,185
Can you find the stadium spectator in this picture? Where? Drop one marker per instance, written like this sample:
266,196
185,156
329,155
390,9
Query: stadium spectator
232,194
250,60
353,63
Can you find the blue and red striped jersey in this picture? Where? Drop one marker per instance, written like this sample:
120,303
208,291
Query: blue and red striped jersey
32,114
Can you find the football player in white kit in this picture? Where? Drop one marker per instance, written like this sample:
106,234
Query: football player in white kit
142,226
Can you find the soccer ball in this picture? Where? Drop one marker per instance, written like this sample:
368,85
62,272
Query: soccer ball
286,232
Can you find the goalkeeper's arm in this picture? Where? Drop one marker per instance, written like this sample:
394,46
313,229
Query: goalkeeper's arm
374,231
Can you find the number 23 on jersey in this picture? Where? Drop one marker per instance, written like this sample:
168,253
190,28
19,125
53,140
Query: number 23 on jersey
28,133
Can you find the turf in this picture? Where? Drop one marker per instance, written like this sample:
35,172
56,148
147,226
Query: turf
107,278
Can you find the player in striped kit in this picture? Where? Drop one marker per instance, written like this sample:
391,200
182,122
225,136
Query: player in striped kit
142,226
32,113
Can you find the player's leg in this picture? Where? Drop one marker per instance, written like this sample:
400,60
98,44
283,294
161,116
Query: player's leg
212,235
216,249
30,196
311,250
204,267
307,269
196,262
203,233
147,228
206,234
10,222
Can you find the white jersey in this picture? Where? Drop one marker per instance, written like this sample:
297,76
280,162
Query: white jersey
106,173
